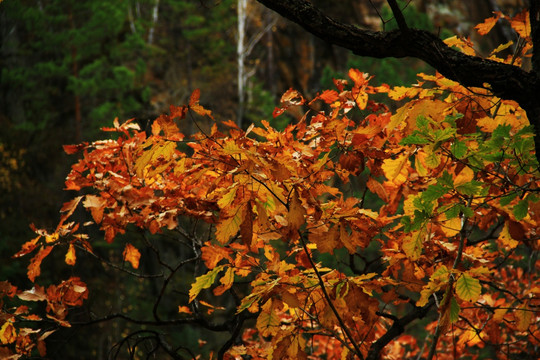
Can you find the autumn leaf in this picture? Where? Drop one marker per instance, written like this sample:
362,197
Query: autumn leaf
195,106
228,227
486,26
521,24
393,168
268,321
8,333
96,205
34,269
226,281
132,255
413,244
212,254
329,96
297,212
184,309
71,258
204,282
468,288
524,318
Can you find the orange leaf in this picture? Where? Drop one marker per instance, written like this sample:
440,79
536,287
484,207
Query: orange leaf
96,206
488,24
72,149
212,254
184,310
296,214
34,269
521,24
329,96
71,258
132,255
195,106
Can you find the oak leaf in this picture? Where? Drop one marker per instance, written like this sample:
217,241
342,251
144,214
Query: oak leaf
132,255
468,288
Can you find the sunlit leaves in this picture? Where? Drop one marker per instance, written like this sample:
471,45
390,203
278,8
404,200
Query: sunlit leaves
366,210
468,288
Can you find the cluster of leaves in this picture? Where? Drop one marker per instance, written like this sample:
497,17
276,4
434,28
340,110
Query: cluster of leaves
445,191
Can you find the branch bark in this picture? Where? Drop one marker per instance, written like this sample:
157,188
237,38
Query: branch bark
506,81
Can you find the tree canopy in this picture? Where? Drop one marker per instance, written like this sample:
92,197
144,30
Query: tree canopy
382,222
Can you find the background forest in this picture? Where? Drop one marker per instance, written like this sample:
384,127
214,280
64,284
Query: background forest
69,68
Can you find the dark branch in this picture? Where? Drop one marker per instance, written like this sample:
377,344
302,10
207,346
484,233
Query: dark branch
506,81
534,16
398,15
397,328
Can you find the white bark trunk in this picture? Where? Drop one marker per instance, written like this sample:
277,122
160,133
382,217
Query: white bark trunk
155,13
241,56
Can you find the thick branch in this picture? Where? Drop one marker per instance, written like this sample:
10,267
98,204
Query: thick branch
506,81
397,328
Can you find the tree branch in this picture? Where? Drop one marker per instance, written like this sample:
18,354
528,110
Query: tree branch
505,81
397,328
398,15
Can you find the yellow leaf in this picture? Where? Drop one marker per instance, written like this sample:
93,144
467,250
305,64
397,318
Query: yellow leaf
70,255
296,214
132,255
465,175
228,198
298,344
413,244
226,281
392,168
524,318
450,227
203,282
228,227
268,322
506,238
8,333
464,46
502,47
143,164
468,288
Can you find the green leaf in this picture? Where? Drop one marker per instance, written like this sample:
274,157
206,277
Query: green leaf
444,134
446,180
454,310
468,288
204,282
521,209
434,192
414,139
507,199
459,149
502,131
471,188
